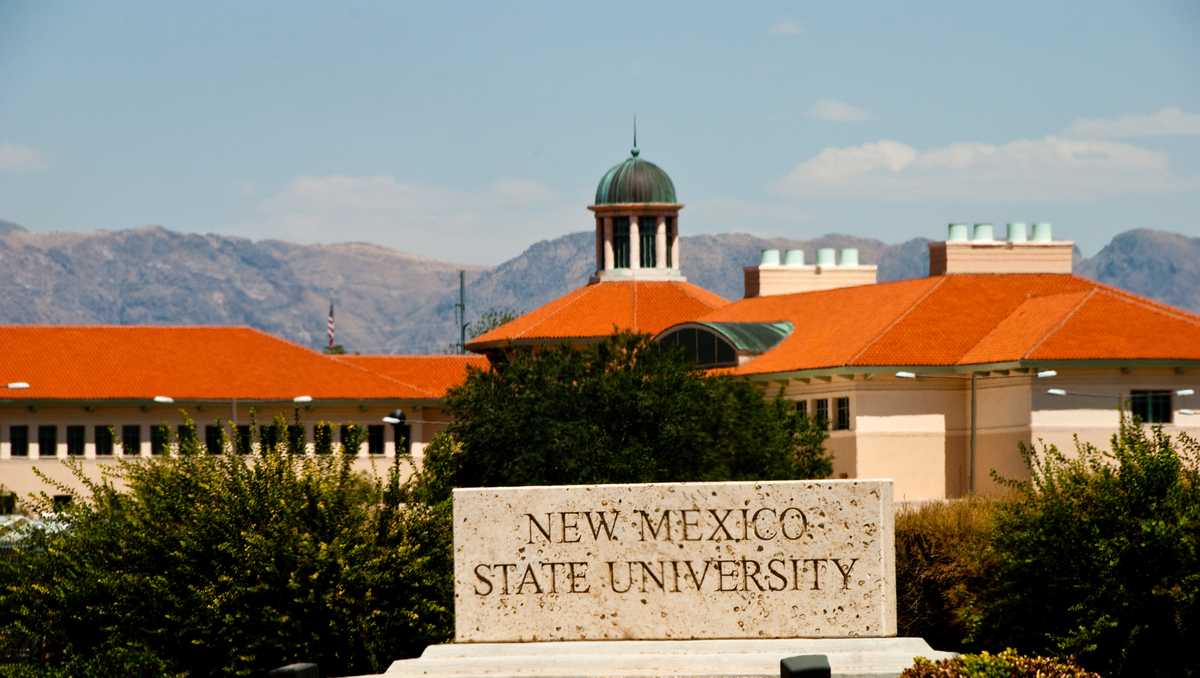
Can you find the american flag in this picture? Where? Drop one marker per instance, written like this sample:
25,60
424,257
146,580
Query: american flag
329,326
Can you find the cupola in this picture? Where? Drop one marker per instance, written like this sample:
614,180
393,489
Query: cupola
637,222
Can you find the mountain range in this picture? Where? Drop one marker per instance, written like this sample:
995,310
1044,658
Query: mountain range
388,301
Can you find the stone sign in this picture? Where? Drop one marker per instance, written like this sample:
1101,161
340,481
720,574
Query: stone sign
793,559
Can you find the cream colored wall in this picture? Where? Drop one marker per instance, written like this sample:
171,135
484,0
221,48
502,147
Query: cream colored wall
1057,419
17,473
1002,425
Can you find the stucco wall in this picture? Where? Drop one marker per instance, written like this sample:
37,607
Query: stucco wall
17,475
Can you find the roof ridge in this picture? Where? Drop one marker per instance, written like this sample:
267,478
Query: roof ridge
1057,326
582,292
895,321
1151,304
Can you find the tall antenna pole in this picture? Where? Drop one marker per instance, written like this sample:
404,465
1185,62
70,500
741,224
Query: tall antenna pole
460,313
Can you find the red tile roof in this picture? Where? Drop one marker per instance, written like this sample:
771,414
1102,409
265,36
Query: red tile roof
964,320
594,310
184,363
431,374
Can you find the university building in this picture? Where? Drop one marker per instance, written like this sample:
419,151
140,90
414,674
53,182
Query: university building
933,381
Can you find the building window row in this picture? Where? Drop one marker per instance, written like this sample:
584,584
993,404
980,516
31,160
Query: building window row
294,437
840,420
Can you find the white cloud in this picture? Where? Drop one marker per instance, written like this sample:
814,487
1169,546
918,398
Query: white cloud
17,158
838,111
1046,169
785,27
484,225
1162,123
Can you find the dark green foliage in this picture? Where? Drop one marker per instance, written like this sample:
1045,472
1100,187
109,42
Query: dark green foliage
626,410
1098,556
939,566
1007,664
227,565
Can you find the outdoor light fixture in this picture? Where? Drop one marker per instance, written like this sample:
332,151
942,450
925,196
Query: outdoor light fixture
15,385
1180,392
1056,391
906,375
163,399
1046,374
396,417
302,399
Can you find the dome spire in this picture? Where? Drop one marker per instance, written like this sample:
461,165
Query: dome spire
634,152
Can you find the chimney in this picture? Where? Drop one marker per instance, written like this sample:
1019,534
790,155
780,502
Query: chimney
982,253
787,274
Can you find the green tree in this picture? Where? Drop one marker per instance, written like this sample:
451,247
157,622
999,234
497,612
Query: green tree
1098,556
625,410
199,564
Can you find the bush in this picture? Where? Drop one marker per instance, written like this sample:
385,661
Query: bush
627,410
1007,664
939,566
226,564
1098,556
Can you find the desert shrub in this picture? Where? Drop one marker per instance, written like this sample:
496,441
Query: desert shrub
198,564
1007,664
1098,556
939,566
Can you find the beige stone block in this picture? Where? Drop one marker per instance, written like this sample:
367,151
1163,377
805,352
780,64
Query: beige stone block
675,561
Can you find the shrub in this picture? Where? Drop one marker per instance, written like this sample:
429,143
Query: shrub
1007,664
1098,556
939,566
226,564
626,410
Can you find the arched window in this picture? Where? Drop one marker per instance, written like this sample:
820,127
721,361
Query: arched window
703,347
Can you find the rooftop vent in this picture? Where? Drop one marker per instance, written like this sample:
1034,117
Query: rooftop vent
982,253
771,277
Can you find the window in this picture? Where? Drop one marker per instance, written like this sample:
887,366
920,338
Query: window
214,438
185,435
18,440
8,503
104,441
822,412
703,347
47,441
802,408
131,440
75,440
375,439
322,438
1151,407
160,437
841,420
243,441
621,242
296,438
648,237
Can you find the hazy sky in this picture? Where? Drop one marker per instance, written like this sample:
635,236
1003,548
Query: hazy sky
468,131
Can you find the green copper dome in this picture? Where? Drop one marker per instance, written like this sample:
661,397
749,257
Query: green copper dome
635,180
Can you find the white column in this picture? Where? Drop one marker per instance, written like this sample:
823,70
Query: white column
675,246
660,243
608,245
635,243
